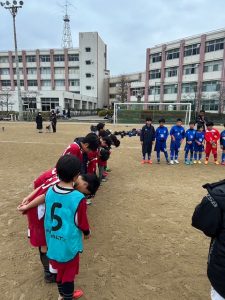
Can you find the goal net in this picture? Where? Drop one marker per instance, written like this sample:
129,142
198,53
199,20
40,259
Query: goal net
136,113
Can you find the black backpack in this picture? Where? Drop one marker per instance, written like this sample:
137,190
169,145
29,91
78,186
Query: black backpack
208,215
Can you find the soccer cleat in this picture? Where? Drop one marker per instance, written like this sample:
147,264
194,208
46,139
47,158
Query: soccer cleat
223,163
176,161
77,294
216,162
206,162
150,161
168,162
158,161
199,162
143,162
105,174
187,162
191,162
195,161
104,179
171,162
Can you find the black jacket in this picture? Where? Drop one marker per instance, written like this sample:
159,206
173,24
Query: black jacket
39,122
202,122
209,216
147,134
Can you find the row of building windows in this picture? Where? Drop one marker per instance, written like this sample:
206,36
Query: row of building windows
72,82
43,70
211,66
43,58
187,88
189,50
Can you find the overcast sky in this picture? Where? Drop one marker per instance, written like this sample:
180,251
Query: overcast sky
128,27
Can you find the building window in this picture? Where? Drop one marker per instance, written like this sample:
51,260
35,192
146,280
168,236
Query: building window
47,104
137,91
210,105
171,72
88,75
29,103
155,74
112,96
59,57
88,87
20,59
59,71
88,49
188,88
211,86
45,58
173,54
31,71
112,85
45,82
21,83
4,71
190,69
20,70
73,57
154,90
156,57
192,50
45,70
32,82
170,89
213,66
88,62
214,45
74,82
4,59
74,70
59,82
31,58
6,83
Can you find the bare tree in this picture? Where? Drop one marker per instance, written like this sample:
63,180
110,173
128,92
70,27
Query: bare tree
221,98
5,96
122,89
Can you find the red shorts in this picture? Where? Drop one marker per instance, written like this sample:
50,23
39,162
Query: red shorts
210,148
36,227
66,272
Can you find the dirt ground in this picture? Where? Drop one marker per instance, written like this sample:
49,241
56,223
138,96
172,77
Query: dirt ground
142,244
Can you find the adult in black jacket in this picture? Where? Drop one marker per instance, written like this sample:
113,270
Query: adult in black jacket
53,120
39,122
209,216
147,138
201,119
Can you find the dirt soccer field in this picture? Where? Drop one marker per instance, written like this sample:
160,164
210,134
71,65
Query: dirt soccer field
142,245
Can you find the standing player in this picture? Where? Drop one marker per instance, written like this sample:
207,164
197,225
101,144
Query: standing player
199,144
65,222
147,138
190,139
222,145
161,136
212,136
177,134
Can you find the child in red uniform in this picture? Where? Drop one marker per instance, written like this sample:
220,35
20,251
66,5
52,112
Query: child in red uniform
212,136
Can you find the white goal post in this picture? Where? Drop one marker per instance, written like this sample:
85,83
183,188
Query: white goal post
178,110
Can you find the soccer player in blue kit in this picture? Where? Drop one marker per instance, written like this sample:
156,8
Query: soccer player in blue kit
161,136
177,133
222,145
199,144
190,141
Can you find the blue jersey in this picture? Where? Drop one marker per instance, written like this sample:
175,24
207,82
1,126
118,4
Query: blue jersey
63,237
161,134
178,132
199,136
222,138
190,135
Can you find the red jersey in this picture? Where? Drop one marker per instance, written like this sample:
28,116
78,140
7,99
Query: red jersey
35,215
212,135
92,162
74,149
43,177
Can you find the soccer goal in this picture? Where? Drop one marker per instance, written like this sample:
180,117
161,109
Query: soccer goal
136,113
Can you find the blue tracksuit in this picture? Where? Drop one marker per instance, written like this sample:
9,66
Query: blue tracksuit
222,144
179,134
190,137
199,137
161,136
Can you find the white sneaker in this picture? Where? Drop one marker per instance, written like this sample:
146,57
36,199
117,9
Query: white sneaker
176,161
172,162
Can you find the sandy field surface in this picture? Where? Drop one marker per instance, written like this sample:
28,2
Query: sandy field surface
142,245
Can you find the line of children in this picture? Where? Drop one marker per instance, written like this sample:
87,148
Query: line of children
194,146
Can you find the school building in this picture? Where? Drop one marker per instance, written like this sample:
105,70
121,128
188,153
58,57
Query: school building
51,78
190,70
